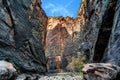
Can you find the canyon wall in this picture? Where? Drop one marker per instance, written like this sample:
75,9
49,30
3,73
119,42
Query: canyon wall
27,35
112,53
100,39
99,18
88,34
62,41
22,35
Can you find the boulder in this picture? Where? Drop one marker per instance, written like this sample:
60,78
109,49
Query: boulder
7,71
101,71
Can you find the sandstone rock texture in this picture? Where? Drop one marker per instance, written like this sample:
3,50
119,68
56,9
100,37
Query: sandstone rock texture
27,35
7,71
101,39
97,27
101,71
100,31
61,39
22,35
112,54
88,34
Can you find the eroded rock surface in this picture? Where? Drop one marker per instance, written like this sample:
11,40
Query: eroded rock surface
7,71
101,71
62,41
22,34
25,33
96,29
101,39
112,54
88,34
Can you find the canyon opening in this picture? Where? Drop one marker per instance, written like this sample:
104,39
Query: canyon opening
59,39
62,38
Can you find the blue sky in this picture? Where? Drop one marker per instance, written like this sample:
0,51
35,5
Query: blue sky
61,7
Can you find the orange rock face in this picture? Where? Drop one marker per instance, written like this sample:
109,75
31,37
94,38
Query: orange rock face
61,38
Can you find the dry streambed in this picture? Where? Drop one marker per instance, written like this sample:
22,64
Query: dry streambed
62,76
57,76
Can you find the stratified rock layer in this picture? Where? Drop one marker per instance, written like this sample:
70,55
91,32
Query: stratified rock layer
61,39
23,38
101,71
88,34
22,34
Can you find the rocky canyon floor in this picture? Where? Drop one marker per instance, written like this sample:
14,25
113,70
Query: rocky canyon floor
55,76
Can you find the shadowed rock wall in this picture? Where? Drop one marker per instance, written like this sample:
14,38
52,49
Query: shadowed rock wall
112,53
22,34
99,17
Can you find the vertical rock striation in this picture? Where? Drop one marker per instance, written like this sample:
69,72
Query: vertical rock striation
100,37
112,53
61,39
88,34
22,34
93,16
96,31
25,31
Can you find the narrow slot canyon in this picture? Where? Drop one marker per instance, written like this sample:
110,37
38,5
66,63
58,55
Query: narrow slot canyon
59,40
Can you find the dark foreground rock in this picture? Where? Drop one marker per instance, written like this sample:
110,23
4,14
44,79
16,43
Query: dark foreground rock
7,71
28,77
101,71
22,35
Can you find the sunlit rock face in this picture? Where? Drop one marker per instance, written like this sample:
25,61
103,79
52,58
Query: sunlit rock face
61,39
22,35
